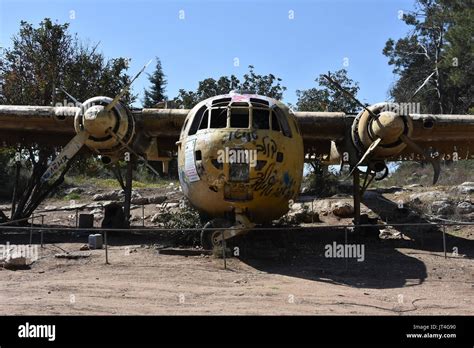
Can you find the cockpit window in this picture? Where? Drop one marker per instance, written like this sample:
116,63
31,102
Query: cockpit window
197,120
218,118
239,118
259,102
221,102
205,120
261,118
184,127
275,123
285,127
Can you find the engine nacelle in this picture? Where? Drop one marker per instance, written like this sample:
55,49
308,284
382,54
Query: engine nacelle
388,126
109,131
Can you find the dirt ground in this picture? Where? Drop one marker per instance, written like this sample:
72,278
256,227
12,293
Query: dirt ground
398,277
404,275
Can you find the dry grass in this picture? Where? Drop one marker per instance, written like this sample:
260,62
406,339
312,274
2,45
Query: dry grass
113,183
415,173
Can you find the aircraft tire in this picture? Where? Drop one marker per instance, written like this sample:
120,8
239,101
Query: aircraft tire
209,233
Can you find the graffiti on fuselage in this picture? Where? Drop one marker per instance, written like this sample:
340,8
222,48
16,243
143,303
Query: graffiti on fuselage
268,181
286,189
265,181
267,147
244,136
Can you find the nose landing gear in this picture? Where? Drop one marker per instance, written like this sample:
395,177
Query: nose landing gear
216,229
211,235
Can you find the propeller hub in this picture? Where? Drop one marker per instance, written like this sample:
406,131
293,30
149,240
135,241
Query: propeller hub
97,121
107,130
388,126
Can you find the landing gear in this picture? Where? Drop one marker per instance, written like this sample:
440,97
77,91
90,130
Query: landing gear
357,197
363,219
122,219
128,191
216,229
211,235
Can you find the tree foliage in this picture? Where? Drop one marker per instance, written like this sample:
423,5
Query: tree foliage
267,85
47,57
326,97
40,61
434,61
156,93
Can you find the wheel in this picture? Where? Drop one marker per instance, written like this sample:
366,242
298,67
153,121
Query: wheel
209,234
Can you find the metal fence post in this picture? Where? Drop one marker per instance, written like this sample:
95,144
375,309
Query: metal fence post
223,249
42,223
106,249
444,241
31,228
345,243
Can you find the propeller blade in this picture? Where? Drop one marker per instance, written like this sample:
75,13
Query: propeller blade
367,153
78,103
65,155
126,88
434,162
423,84
341,89
134,152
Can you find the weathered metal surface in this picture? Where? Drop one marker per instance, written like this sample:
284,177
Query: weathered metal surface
263,191
444,127
321,125
449,136
162,122
37,119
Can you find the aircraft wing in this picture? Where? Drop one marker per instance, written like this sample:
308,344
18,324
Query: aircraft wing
55,125
319,129
443,136
163,124
36,124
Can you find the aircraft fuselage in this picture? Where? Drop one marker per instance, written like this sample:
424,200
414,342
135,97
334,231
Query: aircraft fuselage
241,154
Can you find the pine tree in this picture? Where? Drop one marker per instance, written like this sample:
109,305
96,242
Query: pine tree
156,92
434,61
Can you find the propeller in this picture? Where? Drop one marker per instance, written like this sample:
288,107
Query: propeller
68,152
416,148
369,151
94,121
125,89
347,93
384,133
70,96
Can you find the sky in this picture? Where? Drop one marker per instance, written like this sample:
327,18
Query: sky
294,40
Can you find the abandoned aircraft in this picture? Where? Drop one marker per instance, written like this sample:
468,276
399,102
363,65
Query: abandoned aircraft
240,156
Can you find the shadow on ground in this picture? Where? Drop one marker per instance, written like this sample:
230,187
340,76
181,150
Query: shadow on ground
301,253
384,266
